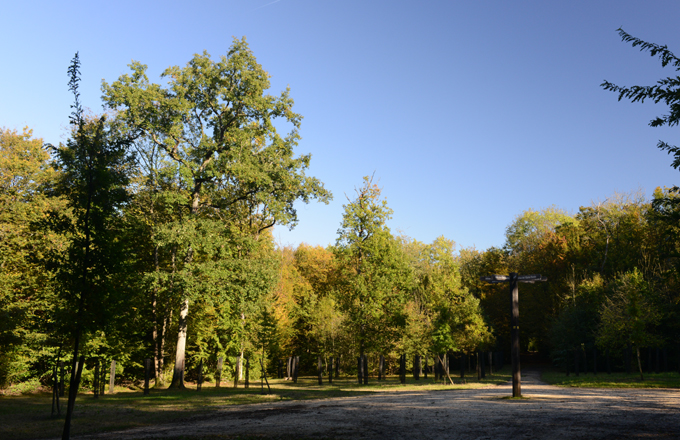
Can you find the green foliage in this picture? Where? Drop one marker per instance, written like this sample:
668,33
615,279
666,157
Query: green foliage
372,271
629,314
666,90
26,295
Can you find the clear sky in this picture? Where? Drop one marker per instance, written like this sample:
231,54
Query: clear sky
468,112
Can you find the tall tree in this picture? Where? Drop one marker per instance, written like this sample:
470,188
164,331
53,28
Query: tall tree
215,120
26,294
95,169
373,270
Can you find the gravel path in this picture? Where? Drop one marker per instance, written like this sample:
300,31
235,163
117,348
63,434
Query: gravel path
549,413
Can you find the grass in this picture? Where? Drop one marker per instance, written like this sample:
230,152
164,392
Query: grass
28,416
614,380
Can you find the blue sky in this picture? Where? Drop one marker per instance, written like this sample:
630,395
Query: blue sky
468,113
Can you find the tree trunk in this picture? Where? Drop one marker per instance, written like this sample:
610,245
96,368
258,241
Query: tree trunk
330,371
147,374
482,367
425,368
296,364
637,350
237,370
446,370
178,373
240,366
218,373
365,369
154,315
112,377
76,367
360,368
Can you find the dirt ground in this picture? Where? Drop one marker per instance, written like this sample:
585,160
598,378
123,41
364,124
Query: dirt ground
549,413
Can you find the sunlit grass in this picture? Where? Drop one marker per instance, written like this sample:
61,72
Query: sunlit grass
28,416
614,380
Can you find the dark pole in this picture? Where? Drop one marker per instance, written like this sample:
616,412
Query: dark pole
514,333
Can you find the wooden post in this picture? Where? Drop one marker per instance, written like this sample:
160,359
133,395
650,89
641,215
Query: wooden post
319,370
425,368
199,384
462,365
514,333
289,368
147,374
490,359
477,366
112,377
381,368
218,373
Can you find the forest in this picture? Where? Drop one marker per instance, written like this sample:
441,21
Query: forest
148,235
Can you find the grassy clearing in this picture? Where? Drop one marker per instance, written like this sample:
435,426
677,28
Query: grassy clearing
614,380
28,416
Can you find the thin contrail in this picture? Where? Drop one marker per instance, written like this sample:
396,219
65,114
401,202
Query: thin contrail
270,3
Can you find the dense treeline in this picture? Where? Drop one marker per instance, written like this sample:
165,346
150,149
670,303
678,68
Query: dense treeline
149,235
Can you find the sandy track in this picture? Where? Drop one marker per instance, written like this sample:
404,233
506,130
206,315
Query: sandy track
550,413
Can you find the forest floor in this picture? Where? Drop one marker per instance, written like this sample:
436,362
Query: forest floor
27,416
546,411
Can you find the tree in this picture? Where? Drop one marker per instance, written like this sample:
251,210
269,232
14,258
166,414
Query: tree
216,122
94,170
373,270
26,294
629,315
666,90
447,317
